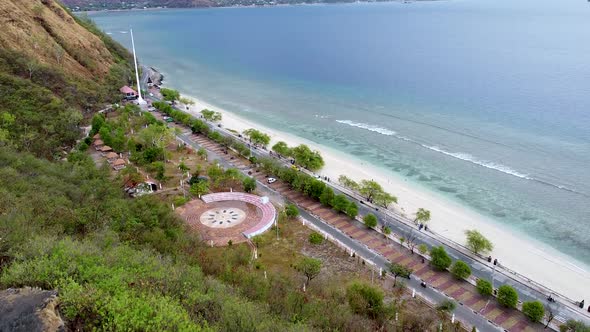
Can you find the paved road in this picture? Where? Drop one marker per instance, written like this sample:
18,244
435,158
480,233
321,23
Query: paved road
462,313
479,268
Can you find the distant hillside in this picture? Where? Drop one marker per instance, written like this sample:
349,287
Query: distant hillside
54,68
89,5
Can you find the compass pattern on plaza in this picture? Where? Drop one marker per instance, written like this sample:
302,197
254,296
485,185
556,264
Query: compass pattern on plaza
222,217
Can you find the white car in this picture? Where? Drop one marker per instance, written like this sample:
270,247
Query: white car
272,180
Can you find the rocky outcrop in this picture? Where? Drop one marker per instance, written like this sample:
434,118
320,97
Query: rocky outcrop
155,76
29,310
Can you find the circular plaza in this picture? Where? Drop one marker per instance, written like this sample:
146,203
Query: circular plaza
235,216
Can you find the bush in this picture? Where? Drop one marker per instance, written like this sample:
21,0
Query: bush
370,220
249,184
534,310
446,305
461,270
507,296
316,238
352,210
365,299
484,287
291,210
180,200
440,259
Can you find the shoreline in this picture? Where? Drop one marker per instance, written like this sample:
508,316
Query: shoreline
535,260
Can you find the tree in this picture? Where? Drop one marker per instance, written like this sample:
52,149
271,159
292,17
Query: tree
202,153
312,160
211,115
461,270
477,242
327,196
340,203
155,136
182,167
370,189
422,216
484,287
398,270
32,67
507,296
58,52
199,188
440,260
365,299
169,94
348,183
257,137
386,230
384,199
411,240
534,311
423,249
352,210
574,326
291,210
249,184
310,267
370,220
186,101
199,127
282,149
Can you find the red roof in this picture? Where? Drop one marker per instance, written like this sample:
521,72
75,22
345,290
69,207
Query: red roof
127,90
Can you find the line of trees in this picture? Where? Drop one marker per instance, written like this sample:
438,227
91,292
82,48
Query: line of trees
309,186
301,154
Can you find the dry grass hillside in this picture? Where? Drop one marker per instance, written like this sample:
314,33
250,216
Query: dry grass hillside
44,31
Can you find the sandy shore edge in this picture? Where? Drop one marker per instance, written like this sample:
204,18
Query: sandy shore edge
527,256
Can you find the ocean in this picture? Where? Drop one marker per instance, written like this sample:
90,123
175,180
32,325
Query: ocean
485,102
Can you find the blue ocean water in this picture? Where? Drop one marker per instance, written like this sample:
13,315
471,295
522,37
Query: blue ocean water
486,102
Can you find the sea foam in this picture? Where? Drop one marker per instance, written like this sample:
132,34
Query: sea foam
458,155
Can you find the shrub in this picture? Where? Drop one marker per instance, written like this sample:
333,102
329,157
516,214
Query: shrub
316,238
370,220
461,270
484,287
291,210
440,259
507,296
446,305
180,200
249,184
534,310
352,210
365,299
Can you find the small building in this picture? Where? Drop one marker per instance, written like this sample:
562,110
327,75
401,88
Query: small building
119,164
105,149
128,93
111,157
98,144
96,137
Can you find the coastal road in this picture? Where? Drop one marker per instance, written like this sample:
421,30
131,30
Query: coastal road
480,268
462,313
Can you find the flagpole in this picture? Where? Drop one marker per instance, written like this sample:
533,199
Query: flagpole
140,99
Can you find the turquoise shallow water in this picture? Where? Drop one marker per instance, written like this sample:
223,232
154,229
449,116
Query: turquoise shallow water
485,102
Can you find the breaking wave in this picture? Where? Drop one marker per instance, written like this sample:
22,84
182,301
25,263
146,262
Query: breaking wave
474,160
376,129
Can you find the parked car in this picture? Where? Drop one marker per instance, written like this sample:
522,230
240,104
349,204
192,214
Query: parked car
272,180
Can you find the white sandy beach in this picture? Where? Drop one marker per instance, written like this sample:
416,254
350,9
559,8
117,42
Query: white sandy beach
449,219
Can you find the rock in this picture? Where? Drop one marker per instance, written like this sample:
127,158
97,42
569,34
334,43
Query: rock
29,310
155,76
